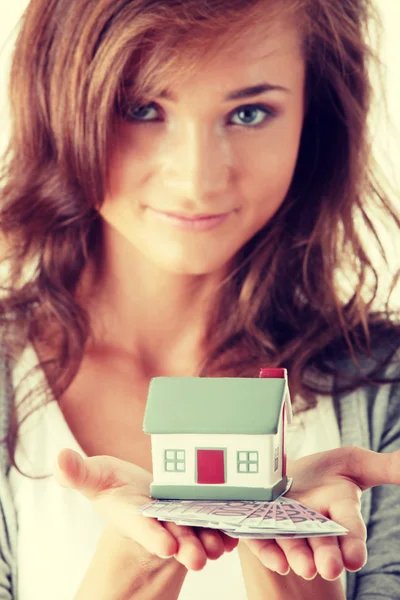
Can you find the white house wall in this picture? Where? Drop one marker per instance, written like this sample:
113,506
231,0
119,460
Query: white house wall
278,444
233,443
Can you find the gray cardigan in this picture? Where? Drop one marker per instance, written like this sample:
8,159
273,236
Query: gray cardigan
368,418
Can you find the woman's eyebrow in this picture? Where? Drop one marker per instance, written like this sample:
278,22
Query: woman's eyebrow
255,90
247,92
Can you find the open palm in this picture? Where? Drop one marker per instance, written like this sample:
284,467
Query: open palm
331,483
117,489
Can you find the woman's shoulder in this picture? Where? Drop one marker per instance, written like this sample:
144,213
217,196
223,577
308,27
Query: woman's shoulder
368,393
371,358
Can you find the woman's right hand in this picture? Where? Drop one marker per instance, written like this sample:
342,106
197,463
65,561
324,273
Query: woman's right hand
117,489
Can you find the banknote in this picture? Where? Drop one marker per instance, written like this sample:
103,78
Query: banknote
286,521
283,517
277,534
228,512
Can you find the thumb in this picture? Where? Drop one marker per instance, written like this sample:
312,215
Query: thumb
370,468
89,476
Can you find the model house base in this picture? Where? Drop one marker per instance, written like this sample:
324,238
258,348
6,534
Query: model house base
217,492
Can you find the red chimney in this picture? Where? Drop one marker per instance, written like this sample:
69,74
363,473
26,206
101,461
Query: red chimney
276,373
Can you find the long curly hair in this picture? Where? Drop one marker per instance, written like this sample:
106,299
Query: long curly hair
302,293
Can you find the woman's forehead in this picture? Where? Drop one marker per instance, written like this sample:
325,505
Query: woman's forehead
266,46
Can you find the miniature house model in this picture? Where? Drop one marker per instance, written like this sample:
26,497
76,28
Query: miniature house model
219,438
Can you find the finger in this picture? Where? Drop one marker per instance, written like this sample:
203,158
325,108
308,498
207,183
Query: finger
190,551
269,554
347,512
299,556
369,468
230,543
212,542
96,474
327,557
68,468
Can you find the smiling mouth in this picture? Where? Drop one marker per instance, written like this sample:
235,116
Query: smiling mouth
190,217
190,222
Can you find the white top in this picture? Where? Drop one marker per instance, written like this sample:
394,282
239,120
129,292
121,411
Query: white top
59,530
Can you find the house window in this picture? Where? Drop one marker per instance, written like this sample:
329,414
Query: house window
247,462
174,460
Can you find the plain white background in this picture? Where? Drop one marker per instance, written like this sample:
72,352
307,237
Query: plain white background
386,134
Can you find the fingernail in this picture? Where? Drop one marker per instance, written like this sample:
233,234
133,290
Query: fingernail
285,573
165,557
310,578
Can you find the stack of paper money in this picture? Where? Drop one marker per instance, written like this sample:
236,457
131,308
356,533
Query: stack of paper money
282,518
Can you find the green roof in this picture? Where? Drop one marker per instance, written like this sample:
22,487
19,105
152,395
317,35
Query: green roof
214,405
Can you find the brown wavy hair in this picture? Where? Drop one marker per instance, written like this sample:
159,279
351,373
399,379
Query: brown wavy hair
284,302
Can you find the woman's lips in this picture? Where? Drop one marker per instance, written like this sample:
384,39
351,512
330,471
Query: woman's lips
192,222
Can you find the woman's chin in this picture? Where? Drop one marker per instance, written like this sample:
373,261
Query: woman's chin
191,266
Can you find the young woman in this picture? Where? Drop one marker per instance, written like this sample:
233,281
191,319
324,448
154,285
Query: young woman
183,194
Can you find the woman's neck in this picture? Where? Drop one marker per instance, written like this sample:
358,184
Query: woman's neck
157,317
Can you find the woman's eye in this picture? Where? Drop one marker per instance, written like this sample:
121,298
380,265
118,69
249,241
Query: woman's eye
146,112
251,115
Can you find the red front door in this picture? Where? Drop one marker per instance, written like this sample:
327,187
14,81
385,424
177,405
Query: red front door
210,466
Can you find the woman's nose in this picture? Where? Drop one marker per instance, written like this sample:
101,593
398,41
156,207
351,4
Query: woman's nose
197,163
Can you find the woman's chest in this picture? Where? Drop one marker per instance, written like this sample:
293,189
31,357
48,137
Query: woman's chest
105,414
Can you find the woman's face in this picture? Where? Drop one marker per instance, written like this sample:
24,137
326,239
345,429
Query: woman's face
198,171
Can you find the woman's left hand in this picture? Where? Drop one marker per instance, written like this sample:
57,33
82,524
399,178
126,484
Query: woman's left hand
331,483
